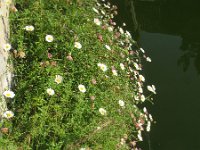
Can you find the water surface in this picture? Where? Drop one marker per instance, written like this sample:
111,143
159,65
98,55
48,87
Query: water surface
169,31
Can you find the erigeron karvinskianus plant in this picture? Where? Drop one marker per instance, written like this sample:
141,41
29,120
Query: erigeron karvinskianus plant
75,88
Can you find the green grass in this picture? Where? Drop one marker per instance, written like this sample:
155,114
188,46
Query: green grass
70,119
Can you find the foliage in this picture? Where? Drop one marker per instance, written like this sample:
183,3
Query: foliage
82,42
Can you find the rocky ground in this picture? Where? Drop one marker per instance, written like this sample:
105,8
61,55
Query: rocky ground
5,75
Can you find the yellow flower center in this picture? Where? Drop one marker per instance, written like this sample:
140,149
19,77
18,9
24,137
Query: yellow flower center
8,95
9,115
102,67
58,80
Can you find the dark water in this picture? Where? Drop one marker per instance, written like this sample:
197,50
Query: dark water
169,31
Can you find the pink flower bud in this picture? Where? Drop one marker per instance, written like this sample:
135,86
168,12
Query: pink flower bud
94,81
50,55
92,98
70,58
131,52
100,37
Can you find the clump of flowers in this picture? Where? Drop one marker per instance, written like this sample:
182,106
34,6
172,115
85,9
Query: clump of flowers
84,95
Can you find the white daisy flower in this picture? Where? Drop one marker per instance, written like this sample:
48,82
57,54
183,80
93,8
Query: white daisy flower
127,59
98,128
106,77
136,98
151,89
97,21
77,45
58,79
122,141
107,47
140,90
139,84
29,28
128,34
146,117
114,72
106,6
95,10
102,111
121,103
50,91
135,73
141,78
9,94
136,66
130,46
7,47
121,30
103,12
148,128
98,4
103,67
145,110
122,66
49,38
8,114
142,97
150,117
131,70
110,29
148,59
82,88
140,136
142,50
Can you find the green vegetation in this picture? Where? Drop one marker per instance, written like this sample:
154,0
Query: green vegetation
76,78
